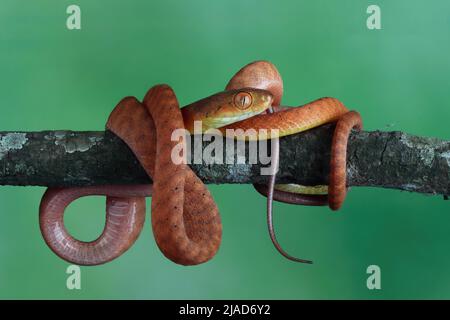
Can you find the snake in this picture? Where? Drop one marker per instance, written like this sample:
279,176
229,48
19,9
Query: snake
185,219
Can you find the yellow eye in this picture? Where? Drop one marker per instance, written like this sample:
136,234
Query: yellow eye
243,100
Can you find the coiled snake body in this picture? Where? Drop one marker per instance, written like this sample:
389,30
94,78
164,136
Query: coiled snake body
185,219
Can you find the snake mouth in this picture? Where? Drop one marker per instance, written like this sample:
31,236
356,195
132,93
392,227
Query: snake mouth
219,122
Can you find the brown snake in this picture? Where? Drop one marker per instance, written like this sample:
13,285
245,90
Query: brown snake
185,219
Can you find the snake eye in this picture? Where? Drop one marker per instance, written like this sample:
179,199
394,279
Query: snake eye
243,100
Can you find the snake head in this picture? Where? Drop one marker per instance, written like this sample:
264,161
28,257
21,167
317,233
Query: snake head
226,107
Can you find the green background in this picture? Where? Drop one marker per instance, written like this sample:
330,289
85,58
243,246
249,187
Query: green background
397,77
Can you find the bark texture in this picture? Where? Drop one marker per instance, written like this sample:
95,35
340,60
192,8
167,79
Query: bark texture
378,159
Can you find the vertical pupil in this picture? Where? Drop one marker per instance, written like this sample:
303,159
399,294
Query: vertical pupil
242,100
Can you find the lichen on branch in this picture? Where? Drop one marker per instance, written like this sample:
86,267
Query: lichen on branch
378,159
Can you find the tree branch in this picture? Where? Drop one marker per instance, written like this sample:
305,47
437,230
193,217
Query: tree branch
379,159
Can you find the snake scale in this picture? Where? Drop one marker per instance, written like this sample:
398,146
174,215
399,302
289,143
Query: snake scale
185,219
